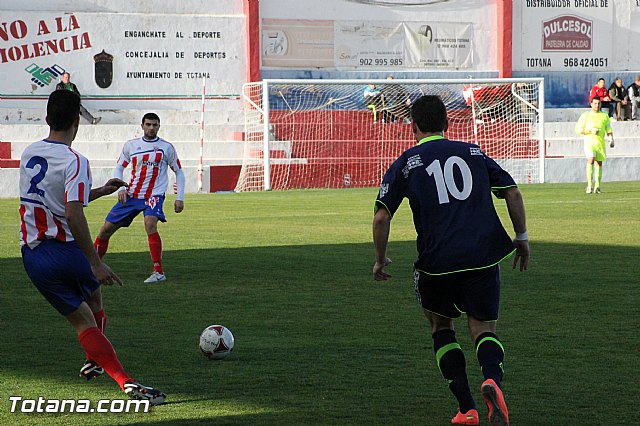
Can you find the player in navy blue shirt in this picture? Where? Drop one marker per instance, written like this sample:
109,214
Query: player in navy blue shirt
460,243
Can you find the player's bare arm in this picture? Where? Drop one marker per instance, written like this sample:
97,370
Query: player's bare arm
515,206
110,187
74,214
381,227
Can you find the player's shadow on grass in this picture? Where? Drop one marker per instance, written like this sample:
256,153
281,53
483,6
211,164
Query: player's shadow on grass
317,338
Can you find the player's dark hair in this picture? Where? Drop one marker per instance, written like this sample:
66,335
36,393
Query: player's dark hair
429,114
601,79
595,98
150,116
63,109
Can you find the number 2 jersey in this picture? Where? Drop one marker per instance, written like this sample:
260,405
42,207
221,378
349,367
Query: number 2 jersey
150,160
51,174
449,185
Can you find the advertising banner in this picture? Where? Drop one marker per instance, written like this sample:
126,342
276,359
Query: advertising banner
297,43
366,45
439,44
564,35
120,56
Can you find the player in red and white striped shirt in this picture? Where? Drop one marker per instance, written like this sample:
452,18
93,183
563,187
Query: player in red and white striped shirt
52,175
150,158
55,186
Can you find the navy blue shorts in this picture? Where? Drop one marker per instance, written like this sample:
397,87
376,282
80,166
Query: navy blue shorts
61,272
476,293
123,214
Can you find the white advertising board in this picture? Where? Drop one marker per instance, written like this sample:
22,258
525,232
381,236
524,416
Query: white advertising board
119,56
366,44
374,35
574,35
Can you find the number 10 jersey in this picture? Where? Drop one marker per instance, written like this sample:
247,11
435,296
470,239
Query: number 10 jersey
449,186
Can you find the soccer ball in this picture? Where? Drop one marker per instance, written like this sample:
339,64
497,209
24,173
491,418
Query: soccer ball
216,342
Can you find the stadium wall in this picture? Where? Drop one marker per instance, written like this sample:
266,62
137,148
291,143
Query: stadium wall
128,58
569,43
337,39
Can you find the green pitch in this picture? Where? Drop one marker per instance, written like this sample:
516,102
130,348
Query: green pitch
319,342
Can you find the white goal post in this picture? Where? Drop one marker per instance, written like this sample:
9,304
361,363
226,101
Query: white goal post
346,133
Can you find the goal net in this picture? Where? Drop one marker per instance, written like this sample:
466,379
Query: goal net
346,133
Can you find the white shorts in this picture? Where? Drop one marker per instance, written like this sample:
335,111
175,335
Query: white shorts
589,152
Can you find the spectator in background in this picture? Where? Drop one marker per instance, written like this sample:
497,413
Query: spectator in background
618,94
633,91
396,102
491,102
66,84
373,99
601,92
527,94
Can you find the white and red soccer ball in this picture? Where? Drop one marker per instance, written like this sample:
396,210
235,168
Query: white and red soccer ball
216,342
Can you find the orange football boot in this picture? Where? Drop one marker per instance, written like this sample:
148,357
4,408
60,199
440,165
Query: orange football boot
498,413
469,418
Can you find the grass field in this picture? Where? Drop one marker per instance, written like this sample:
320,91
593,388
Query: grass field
319,342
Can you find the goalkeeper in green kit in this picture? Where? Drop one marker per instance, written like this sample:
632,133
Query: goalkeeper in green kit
594,124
